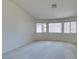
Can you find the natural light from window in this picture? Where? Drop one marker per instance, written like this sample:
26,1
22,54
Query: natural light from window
67,27
70,27
40,27
55,27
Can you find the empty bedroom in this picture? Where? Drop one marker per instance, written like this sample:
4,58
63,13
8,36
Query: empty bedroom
39,29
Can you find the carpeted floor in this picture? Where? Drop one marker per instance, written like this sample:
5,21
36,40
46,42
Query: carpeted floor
44,50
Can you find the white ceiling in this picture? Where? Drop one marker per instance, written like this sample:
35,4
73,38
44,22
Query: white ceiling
42,9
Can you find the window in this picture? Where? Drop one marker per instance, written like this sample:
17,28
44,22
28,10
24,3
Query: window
73,27
55,27
40,27
70,27
67,27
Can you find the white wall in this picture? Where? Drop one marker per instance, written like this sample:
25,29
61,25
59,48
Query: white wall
18,26
71,38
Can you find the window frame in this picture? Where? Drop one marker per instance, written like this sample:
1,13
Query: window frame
70,27
62,27
56,32
75,28
36,27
